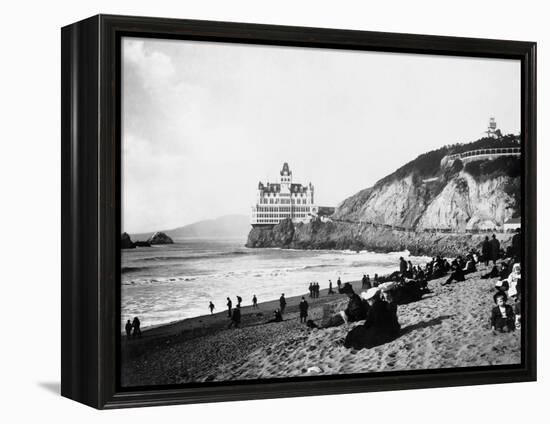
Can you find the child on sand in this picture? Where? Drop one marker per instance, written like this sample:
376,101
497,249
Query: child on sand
502,316
513,280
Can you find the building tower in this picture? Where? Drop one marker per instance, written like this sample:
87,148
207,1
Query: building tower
492,128
286,179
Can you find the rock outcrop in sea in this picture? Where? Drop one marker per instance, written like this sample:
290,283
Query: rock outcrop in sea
428,206
126,242
159,238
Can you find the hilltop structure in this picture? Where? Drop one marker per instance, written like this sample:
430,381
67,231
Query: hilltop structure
276,202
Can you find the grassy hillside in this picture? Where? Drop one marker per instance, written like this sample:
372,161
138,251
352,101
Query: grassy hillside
427,165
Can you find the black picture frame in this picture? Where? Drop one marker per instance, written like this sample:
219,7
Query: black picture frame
91,153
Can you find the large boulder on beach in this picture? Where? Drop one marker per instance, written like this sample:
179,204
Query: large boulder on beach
126,242
160,238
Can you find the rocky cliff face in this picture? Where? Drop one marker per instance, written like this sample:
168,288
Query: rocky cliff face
341,236
456,202
430,208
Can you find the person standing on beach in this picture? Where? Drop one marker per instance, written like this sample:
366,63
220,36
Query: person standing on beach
229,306
339,284
128,329
495,249
239,301
516,245
486,250
365,282
402,266
303,309
310,289
135,325
330,291
254,301
282,303
236,317
211,307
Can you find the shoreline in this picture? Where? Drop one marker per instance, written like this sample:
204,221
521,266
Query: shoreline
446,328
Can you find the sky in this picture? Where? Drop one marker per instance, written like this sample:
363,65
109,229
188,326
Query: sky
204,122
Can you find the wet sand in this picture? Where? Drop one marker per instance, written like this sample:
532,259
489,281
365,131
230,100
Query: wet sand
448,327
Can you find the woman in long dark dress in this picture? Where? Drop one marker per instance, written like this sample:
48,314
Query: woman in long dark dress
381,325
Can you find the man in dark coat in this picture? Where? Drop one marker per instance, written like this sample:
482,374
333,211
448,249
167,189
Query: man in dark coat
495,249
516,246
282,303
128,329
236,316
486,250
136,326
229,306
303,309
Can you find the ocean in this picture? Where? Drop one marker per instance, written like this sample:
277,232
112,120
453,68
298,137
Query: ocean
166,283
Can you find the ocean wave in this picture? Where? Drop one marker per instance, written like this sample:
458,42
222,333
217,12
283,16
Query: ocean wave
126,269
209,255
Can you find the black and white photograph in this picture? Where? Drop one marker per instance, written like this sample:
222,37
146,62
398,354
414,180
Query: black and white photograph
294,212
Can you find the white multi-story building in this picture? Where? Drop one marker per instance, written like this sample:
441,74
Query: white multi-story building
285,199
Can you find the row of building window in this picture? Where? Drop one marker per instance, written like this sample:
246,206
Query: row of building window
281,216
284,194
283,209
283,201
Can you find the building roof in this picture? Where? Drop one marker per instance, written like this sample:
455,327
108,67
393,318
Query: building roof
276,188
286,170
513,221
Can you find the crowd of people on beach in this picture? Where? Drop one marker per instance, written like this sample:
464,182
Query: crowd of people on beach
377,305
378,302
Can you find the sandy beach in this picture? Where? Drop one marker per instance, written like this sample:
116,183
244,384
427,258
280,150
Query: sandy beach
448,327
